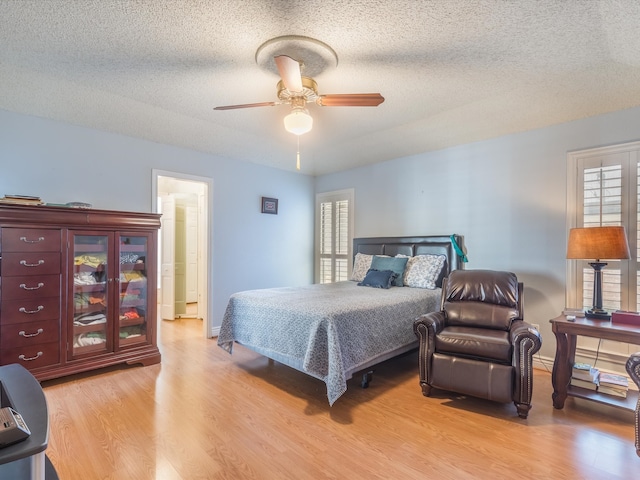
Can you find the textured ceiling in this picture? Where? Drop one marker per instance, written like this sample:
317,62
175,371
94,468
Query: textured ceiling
451,71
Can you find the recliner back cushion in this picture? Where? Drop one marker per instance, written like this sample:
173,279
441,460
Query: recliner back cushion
483,298
488,286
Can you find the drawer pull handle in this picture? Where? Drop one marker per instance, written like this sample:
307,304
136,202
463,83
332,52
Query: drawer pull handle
24,310
24,262
28,359
24,287
24,239
22,333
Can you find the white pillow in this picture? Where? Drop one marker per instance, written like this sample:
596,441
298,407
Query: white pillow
422,271
361,266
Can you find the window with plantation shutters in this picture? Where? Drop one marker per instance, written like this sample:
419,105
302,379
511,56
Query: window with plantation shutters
603,191
602,206
334,237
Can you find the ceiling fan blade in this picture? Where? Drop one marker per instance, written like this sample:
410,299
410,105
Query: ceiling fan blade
247,105
289,72
350,100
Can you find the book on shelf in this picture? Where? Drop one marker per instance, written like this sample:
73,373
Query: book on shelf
21,200
22,197
614,380
625,318
584,371
618,392
588,384
580,366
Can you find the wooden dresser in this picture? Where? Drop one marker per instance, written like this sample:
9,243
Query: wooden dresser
77,288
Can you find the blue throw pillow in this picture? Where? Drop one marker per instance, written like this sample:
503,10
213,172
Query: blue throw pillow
378,279
395,264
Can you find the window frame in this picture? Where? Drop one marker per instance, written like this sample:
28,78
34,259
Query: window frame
629,154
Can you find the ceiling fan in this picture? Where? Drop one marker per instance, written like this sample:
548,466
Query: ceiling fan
297,90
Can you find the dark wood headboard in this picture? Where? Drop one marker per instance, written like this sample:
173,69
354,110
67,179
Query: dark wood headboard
411,246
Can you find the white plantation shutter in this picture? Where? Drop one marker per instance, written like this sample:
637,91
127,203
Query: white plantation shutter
326,242
334,212
602,206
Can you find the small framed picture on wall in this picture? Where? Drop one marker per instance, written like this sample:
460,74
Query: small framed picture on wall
270,205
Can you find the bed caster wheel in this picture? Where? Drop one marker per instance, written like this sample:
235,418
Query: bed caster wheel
366,378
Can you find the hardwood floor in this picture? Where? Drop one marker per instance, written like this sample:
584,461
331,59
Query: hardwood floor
205,414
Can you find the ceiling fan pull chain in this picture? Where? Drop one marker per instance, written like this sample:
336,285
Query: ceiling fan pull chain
298,154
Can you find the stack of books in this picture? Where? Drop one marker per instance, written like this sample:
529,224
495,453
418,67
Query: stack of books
614,384
21,200
584,375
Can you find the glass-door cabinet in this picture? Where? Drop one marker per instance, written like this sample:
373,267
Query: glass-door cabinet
92,284
133,294
111,300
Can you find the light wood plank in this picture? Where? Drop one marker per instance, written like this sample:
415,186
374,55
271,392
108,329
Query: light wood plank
205,414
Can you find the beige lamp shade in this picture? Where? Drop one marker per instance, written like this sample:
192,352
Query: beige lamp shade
598,243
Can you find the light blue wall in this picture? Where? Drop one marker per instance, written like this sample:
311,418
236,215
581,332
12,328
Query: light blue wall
62,163
506,196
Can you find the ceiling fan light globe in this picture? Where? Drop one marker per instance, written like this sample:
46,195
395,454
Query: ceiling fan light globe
298,122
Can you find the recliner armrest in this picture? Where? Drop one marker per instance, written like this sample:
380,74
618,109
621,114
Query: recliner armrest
633,368
434,321
521,330
426,327
526,342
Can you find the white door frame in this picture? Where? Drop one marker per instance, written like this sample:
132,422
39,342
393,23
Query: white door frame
205,216
167,258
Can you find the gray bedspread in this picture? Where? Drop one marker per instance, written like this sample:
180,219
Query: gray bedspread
328,331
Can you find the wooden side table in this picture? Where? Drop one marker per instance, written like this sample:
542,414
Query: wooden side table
566,333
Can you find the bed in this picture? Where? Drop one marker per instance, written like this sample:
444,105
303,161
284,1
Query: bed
332,331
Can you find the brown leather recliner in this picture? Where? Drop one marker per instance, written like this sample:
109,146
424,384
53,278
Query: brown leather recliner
478,343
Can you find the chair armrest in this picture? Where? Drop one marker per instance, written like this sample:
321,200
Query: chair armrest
433,321
633,368
426,327
526,342
521,331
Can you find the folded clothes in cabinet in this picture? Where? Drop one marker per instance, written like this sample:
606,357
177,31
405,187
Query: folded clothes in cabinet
91,338
91,318
87,278
94,260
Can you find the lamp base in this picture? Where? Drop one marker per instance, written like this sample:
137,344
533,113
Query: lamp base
597,314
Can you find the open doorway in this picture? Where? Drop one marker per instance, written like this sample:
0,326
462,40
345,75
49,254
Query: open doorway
183,246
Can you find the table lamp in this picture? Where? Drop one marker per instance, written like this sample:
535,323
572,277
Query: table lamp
598,243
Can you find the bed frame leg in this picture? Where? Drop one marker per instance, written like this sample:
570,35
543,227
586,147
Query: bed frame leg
366,378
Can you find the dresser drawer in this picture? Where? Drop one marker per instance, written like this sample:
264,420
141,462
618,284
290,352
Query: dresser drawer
27,263
31,240
29,334
29,310
33,356
30,286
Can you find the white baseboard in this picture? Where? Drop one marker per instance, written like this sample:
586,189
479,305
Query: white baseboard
543,363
